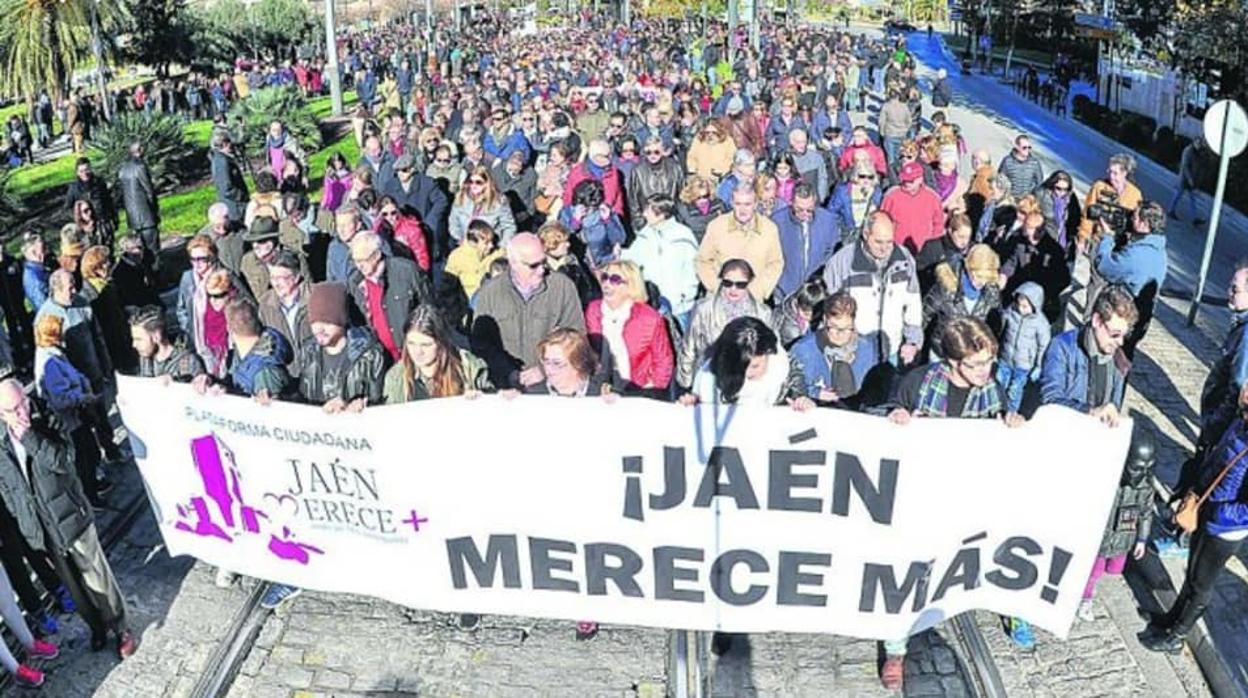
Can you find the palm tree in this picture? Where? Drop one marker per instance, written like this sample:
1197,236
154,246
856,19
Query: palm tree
45,40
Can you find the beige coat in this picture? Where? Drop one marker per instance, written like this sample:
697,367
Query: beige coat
757,243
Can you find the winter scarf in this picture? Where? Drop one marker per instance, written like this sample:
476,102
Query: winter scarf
983,401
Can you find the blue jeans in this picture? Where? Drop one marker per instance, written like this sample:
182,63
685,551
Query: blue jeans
1013,380
891,146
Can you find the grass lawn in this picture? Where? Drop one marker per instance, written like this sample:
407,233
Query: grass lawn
32,179
184,213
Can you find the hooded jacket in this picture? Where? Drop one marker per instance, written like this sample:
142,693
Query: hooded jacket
264,367
1025,338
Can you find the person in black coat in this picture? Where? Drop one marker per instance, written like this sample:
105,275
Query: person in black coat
397,284
95,190
415,192
138,194
227,176
1032,255
52,512
133,280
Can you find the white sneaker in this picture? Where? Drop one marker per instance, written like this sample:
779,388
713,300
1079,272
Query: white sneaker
1086,611
225,578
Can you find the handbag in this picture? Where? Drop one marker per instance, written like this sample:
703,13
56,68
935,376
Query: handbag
1188,515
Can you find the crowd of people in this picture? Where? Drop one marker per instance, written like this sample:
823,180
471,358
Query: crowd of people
651,211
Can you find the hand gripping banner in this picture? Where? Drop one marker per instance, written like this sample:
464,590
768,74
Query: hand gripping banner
638,512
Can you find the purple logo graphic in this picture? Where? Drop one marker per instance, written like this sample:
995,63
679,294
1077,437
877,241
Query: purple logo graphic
221,511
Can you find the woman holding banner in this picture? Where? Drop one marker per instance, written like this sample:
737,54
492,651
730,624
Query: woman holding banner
747,366
431,365
960,386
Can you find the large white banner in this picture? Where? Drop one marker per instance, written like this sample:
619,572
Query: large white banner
637,512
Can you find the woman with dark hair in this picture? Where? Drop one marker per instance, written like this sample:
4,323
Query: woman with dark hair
480,199
711,314
337,182
431,365
91,230
594,222
794,317
786,177
1062,211
404,230
747,366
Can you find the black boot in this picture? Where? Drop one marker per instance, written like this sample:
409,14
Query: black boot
1158,640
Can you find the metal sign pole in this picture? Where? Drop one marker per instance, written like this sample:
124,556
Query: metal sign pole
1223,164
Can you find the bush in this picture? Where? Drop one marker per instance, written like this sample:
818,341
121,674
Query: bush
1137,130
285,104
170,157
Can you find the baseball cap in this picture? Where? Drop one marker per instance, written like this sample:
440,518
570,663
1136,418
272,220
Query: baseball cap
911,171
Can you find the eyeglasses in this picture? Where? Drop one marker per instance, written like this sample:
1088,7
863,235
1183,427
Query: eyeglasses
201,259
476,181
391,213
219,296
613,279
840,331
554,364
728,283
1024,147
442,161
1061,190
866,178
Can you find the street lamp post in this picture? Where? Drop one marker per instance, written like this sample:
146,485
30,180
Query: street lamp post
331,59
98,50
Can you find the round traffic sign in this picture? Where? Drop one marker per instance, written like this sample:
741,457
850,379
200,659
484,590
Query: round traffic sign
1226,124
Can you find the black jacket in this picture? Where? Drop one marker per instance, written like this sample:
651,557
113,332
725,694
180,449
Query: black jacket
53,493
405,287
107,306
427,200
364,379
227,176
134,285
666,178
521,192
97,192
138,194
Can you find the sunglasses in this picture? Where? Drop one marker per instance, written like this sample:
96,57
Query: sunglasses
442,161
390,214
476,181
613,279
218,295
201,260
1061,190
740,285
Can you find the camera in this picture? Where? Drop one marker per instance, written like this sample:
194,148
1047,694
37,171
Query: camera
1106,208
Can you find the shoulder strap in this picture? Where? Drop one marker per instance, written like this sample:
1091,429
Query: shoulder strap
1230,464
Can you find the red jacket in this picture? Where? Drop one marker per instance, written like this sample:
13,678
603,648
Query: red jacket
612,186
410,235
650,358
876,153
917,218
